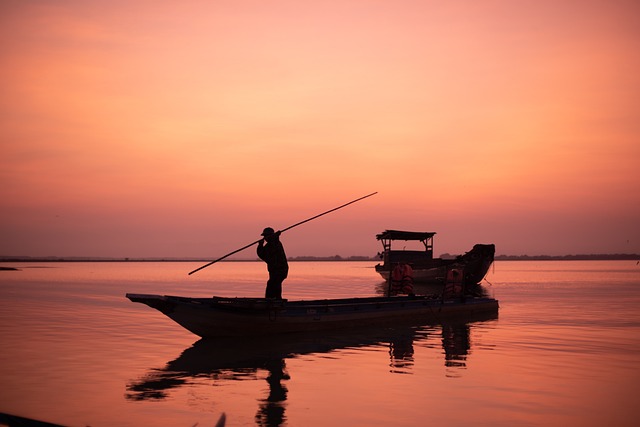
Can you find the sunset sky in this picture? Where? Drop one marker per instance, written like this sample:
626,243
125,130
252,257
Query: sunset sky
182,128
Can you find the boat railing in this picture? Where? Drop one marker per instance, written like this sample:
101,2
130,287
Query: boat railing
411,256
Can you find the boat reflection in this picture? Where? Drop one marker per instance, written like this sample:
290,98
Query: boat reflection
239,359
401,353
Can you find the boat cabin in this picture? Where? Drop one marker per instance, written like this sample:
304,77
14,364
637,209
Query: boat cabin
391,256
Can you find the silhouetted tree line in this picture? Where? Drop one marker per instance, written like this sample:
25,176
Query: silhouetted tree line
334,258
583,257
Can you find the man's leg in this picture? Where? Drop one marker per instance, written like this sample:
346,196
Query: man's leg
274,286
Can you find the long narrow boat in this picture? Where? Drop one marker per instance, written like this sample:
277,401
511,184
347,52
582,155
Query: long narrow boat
220,317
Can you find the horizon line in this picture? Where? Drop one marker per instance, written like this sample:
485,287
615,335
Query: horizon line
501,257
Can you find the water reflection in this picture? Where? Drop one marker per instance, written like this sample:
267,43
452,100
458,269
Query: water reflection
401,354
456,343
271,409
232,359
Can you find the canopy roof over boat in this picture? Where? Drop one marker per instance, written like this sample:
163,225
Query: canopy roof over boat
405,235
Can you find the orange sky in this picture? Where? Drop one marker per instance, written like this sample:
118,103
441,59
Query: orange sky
170,129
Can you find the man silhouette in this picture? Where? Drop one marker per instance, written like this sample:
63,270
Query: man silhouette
273,254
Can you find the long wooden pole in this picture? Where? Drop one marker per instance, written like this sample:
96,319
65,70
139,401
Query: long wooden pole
282,231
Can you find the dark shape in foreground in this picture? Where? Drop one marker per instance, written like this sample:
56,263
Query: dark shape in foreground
16,421
427,269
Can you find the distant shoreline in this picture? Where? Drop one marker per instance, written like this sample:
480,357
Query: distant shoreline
584,257
595,257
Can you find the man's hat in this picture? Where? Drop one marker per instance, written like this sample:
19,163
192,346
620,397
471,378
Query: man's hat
268,231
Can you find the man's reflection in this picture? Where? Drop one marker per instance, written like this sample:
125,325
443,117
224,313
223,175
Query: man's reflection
271,410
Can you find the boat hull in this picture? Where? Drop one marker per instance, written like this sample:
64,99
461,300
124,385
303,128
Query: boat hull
475,264
229,317
435,275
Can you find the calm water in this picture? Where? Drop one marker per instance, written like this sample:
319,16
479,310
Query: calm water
563,352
